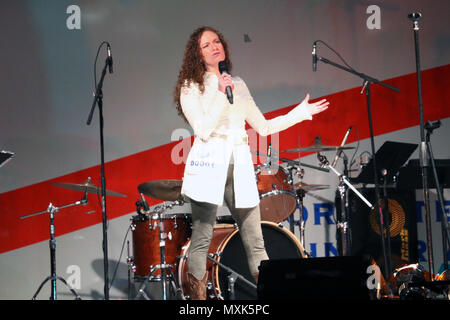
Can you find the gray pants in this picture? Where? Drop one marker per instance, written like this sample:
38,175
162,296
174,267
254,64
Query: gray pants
203,220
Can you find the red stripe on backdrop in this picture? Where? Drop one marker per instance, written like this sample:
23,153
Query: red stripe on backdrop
122,175
391,111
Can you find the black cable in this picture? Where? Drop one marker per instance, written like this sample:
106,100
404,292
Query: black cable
95,64
120,257
340,57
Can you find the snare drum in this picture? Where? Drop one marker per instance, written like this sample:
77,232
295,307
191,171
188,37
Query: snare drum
278,200
226,247
146,240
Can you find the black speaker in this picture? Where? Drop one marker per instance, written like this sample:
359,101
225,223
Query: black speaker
337,278
364,224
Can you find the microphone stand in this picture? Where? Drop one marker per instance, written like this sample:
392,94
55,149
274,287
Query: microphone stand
367,81
98,100
232,277
424,163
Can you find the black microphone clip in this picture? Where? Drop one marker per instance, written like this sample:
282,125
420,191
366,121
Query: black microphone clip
431,126
314,57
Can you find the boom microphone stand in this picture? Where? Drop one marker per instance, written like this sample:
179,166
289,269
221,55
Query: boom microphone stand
367,81
98,100
232,277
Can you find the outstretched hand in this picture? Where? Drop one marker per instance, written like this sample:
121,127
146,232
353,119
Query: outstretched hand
315,107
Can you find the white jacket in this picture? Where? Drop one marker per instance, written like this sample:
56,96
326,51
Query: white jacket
219,129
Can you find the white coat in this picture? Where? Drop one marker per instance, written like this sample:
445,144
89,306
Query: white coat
220,136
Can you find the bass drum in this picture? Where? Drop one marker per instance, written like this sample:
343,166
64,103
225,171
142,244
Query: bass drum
227,248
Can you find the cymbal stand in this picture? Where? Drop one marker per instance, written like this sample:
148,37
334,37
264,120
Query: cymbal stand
343,184
52,244
301,223
290,168
163,266
343,225
299,194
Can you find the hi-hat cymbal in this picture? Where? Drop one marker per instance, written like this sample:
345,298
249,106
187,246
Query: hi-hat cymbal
167,190
86,186
318,147
310,187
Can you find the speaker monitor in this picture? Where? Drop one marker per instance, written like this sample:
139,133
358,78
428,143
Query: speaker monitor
342,278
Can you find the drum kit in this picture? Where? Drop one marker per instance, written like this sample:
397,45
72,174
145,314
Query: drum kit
162,273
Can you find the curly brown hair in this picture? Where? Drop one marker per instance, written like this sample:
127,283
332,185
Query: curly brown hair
193,67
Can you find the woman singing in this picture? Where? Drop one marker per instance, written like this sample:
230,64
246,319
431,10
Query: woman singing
219,166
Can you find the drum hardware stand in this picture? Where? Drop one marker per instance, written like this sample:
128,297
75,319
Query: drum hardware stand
52,244
163,266
343,225
323,160
367,81
301,223
300,195
292,222
130,268
232,277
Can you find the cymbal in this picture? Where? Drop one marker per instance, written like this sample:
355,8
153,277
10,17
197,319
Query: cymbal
318,147
86,187
167,190
310,187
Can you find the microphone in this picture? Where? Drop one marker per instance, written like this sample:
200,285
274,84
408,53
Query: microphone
314,57
224,69
144,203
323,161
338,153
110,59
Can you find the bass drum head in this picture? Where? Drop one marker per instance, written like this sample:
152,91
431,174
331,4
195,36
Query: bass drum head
280,243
